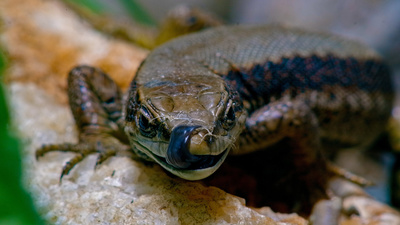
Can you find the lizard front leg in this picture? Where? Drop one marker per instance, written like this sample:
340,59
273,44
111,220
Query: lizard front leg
95,101
293,121
286,135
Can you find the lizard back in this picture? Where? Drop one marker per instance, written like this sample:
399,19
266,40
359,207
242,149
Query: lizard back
344,82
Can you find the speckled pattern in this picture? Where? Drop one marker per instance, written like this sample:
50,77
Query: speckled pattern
301,77
300,74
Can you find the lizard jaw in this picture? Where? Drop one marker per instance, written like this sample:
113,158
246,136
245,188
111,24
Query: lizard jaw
191,173
194,173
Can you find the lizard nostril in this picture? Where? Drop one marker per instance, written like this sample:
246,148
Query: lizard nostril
178,154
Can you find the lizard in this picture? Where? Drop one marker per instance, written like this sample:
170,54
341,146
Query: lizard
235,90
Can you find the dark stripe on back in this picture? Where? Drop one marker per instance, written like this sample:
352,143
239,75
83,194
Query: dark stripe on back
256,85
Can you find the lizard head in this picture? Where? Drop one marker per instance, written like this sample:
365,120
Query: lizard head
186,125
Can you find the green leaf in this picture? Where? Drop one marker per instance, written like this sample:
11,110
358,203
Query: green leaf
92,5
137,12
16,206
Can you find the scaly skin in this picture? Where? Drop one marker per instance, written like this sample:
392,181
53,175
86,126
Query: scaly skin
237,89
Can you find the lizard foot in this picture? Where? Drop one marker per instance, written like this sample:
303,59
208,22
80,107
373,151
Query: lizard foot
349,204
105,146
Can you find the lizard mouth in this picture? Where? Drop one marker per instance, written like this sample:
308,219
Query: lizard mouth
179,161
203,168
203,161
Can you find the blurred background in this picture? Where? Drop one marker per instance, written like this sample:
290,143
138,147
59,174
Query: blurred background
374,22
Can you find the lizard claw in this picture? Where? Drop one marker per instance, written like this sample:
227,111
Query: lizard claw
71,164
348,175
106,147
104,155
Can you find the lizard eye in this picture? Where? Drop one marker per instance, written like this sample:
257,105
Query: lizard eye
229,118
146,128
